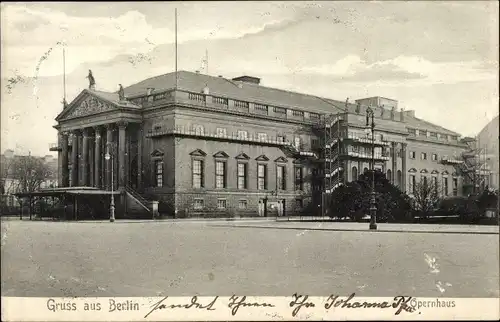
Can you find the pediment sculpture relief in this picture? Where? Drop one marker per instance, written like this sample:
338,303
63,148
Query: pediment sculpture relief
88,106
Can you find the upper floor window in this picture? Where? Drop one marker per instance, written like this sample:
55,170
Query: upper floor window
198,171
279,110
299,180
314,116
242,175
454,137
159,173
422,132
412,183
297,113
433,134
220,174
434,157
412,131
262,136
243,135
199,129
297,142
261,177
280,138
412,154
281,177
423,156
221,132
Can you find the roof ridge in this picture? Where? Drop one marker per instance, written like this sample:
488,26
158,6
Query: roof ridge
439,126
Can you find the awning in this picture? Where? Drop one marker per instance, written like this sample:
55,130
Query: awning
67,190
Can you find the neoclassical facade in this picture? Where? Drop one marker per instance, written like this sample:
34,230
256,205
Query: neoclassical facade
202,145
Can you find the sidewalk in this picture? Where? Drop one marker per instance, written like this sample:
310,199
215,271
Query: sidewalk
364,227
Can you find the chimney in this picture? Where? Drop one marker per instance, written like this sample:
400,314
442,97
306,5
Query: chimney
248,79
410,113
149,90
402,115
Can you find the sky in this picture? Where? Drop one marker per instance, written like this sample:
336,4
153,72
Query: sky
437,58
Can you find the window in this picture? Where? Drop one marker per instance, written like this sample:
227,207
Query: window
280,138
422,132
242,175
262,136
433,135
399,178
221,132
399,153
221,203
354,173
280,177
297,142
297,113
389,175
243,135
220,174
435,184
199,130
412,131
412,154
159,173
279,110
299,181
445,186
423,156
412,183
455,186
299,204
261,177
198,204
198,181
242,204
314,116
314,142
434,157
424,180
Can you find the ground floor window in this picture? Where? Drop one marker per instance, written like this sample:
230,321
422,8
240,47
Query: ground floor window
242,204
198,204
221,203
159,173
299,204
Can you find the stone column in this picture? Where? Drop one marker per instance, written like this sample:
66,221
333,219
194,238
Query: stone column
403,170
139,158
85,158
91,161
74,159
64,160
121,153
97,157
109,149
394,158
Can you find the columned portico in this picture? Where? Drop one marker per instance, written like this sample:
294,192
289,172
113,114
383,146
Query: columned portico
109,149
74,159
85,158
97,158
121,153
64,159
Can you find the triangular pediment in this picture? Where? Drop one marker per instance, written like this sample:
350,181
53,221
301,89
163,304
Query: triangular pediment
221,154
445,172
412,170
86,103
262,158
281,159
424,171
157,153
198,153
242,156
435,172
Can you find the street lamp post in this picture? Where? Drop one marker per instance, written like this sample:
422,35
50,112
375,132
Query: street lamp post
373,205
112,204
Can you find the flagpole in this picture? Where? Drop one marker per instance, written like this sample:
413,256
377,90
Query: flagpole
64,73
176,77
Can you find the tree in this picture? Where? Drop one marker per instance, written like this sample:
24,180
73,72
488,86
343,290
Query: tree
28,173
353,199
426,197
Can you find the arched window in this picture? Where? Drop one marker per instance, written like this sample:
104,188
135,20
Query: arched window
399,178
389,175
365,170
354,173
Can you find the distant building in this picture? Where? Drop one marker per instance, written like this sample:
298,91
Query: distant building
203,144
487,141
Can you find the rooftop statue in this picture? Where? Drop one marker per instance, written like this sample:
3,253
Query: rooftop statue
91,80
121,93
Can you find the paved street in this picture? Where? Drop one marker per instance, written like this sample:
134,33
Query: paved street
189,258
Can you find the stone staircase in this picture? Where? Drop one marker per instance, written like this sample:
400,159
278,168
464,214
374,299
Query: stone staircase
138,206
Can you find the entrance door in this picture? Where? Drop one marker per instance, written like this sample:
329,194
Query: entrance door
281,207
262,207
